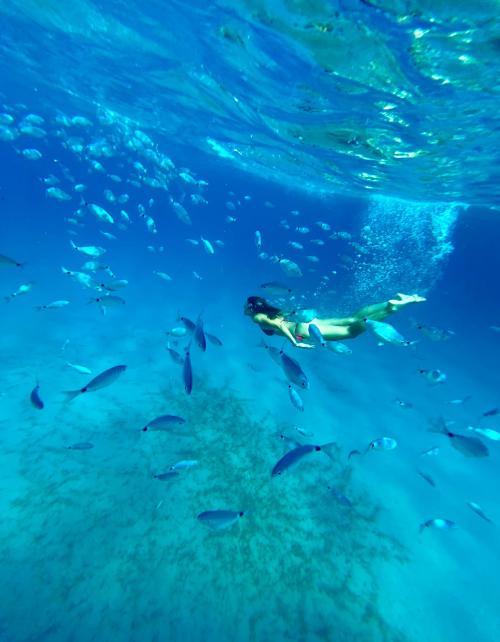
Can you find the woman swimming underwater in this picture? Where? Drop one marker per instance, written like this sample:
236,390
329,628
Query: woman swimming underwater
272,320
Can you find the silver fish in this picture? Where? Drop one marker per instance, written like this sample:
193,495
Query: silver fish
439,523
295,399
431,451
315,335
54,305
163,423
183,464
494,435
434,376
386,332
433,333
102,380
293,371
273,352
274,287
79,368
110,300
479,511
383,443
468,446
219,519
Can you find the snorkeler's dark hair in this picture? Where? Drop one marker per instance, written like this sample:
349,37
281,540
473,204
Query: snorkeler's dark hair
259,305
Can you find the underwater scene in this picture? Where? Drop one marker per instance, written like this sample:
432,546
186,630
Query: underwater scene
250,321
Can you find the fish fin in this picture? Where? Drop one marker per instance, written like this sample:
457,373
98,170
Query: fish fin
353,452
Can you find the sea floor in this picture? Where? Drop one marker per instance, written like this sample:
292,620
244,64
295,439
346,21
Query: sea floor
93,547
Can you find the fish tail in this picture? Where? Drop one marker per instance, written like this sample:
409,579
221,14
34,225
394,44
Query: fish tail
439,426
71,394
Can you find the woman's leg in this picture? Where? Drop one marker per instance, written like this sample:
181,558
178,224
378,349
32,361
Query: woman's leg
349,327
380,311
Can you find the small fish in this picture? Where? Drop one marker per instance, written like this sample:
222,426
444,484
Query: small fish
304,433
479,511
170,475
183,464
89,250
290,267
175,356
35,398
315,335
162,275
339,496
273,352
293,371
176,332
181,213
53,306
78,368
81,445
295,399
100,213
209,248
110,300
258,239
403,404
468,446
459,402
427,478
433,333
199,335
115,284
105,378
163,423
188,324
219,519
274,287
6,261
80,277
22,289
338,347
434,376
295,455
58,194
439,523
491,413
213,339
386,332
382,443
494,435
187,372
431,452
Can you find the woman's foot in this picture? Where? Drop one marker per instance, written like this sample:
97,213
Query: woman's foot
403,299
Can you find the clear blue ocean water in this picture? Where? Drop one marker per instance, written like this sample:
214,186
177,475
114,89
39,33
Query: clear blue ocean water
163,160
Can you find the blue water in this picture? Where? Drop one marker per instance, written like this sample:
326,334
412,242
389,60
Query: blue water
259,113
